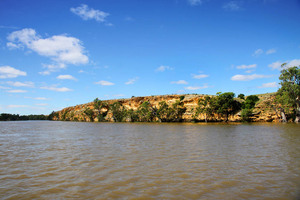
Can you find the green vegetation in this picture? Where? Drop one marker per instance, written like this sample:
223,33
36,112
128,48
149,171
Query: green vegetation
288,96
248,106
14,117
99,105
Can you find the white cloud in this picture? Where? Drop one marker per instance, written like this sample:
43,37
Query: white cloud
196,87
180,82
53,88
132,81
258,52
10,72
17,106
41,104
195,2
239,77
60,48
275,65
249,71
271,51
292,63
246,66
163,68
104,83
232,6
40,98
20,84
4,88
11,45
17,91
87,13
269,85
52,68
66,77
200,76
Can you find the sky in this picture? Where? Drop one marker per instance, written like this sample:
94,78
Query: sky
55,54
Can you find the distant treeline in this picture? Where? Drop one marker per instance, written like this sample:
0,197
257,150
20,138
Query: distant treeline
16,117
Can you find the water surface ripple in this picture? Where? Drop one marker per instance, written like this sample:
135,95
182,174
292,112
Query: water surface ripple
69,160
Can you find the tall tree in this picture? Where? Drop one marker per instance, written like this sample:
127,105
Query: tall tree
289,93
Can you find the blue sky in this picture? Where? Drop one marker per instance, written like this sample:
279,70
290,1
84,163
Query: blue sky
55,54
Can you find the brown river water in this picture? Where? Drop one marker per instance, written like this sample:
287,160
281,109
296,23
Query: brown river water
69,160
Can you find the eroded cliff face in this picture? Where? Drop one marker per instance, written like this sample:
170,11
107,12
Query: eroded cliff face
263,112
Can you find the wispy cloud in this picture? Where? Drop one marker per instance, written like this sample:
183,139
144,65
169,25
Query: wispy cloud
4,88
269,85
53,88
277,64
66,77
10,72
17,106
163,68
232,6
132,81
104,83
258,52
20,84
199,76
196,87
87,13
52,68
40,98
17,91
41,104
246,66
271,51
195,2
180,82
239,77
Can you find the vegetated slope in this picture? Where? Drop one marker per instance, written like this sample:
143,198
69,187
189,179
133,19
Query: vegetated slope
264,110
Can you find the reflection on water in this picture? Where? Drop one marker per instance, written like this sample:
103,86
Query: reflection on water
61,160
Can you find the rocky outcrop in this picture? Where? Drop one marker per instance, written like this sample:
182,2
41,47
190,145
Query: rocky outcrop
263,112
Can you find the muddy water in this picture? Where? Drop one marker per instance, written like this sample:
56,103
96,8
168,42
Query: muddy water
67,160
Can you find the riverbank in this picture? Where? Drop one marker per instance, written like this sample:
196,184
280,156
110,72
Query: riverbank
185,107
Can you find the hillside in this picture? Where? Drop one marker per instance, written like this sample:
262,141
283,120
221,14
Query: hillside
262,112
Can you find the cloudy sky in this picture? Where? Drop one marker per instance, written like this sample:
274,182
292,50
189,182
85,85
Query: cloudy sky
55,54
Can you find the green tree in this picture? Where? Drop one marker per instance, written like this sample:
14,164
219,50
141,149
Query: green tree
164,112
250,102
99,105
204,107
178,109
225,104
89,113
118,111
289,93
248,106
241,96
146,112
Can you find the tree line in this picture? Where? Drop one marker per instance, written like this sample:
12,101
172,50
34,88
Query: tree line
16,117
215,108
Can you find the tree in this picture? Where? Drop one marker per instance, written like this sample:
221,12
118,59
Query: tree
248,106
118,111
204,107
289,93
164,112
146,112
99,105
225,104
241,96
89,113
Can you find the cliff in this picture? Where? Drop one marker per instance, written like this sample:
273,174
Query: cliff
263,111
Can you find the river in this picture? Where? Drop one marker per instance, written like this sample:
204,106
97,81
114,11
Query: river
80,160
